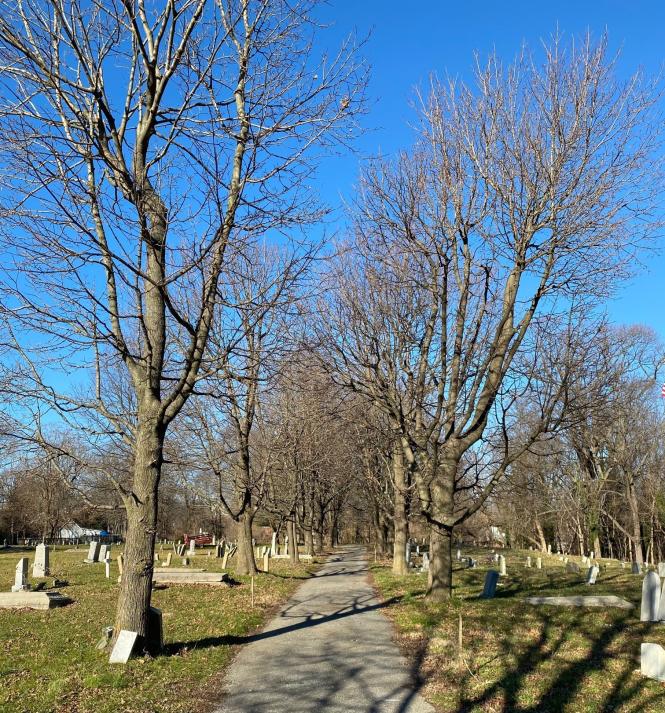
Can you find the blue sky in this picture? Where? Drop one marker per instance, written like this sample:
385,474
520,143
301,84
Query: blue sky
410,40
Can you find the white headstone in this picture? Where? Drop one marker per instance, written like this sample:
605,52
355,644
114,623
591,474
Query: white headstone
102,553
528,561
459,555
592,574
124,646
539,563
41,566
425,567
661,569
21,576
502,565
192,546
652,661
650,597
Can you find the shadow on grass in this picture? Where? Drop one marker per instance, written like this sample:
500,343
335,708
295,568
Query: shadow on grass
357,606
559,694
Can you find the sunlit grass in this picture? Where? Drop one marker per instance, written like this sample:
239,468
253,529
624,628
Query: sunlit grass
48,660
517,657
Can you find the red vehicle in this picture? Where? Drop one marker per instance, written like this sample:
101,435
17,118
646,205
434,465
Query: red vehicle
203,539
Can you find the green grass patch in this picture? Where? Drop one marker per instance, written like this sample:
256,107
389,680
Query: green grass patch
48,660
524,658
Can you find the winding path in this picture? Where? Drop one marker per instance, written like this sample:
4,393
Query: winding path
330,649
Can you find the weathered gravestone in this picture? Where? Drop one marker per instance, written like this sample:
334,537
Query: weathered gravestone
103,549
21,576
266,561
168,559
41,566
459,555
661,569
155,635
539,563
572,567
93,552
592,574
528,561
650,597
491,580
425,566
635,568
220,549
652,661
502,565
124,646
192,547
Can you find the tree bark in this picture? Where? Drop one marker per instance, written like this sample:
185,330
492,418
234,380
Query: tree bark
292,531
309,541
401,526
136,584
246,563
440,579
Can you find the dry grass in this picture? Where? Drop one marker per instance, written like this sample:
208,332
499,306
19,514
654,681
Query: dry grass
517,657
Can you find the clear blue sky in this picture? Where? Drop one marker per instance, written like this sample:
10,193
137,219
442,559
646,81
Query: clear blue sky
410,40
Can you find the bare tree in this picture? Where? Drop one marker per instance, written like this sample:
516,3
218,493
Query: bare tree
524,195
142,142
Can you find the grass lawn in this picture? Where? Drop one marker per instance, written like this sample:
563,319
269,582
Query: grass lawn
48,660
518,657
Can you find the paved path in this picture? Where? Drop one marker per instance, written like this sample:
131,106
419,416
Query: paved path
329,650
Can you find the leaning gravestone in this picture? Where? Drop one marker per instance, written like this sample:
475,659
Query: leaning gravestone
93,552
652,661
40,568
635,568
21,576
124,646
650,597
502,565
155,636
491,580
592,574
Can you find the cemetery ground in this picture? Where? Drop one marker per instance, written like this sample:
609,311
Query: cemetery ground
520,657
48,659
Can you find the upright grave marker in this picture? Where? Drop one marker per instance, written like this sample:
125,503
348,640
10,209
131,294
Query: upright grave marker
21,576
650,597
491,580
41,566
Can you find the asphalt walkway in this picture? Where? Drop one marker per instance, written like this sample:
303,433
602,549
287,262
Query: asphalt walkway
329,650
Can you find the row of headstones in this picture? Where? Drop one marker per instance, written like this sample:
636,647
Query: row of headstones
98,552
40,568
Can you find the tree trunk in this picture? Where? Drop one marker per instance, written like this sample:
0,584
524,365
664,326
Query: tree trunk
401,526
293,541
136,584
440,579
309,541
633,506
542,542
246,564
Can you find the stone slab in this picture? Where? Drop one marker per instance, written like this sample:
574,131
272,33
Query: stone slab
32,600
176,570
124,645
580,601
191,578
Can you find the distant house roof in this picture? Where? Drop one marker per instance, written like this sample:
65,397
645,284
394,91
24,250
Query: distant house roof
74,530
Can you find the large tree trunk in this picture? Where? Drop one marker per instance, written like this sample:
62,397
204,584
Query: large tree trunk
246,563
136,585
400,521
440,579
293,541
634,509
542,542
309,541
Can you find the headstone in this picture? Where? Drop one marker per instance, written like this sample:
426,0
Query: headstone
635,568
661,604
495,557
93,552
502,565
591,555
124,645
121,562
266,561
273,543
459,555
225,559
221,548
425,567
592,574
155,633
539,563
21,576
528,561
185,561
572,567
661,569
107,567
102,553
652,661
192,547
41,567
491,580
650,597
408,553
168,559
549,549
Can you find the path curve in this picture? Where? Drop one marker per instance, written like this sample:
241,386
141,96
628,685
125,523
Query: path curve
329,650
